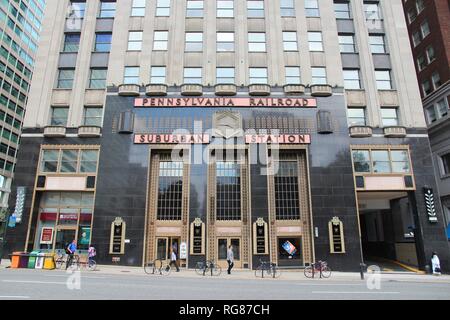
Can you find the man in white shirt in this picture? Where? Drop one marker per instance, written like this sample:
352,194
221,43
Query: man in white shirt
173,259
230,259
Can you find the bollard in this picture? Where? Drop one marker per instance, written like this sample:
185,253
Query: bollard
361,270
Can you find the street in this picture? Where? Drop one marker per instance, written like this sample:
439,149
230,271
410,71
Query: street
186,285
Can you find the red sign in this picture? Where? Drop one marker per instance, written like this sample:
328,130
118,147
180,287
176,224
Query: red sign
46,236
280,139
171,138
226,102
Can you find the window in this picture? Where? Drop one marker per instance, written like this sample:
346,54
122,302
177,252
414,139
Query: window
228,190
225,75
347,43
255,8
107,9
49,162
160,40
71,42
287,8
287,204
342,10
158,75
442,108
193,75
416,37
425,29
59,116
400,161
389,117
312,8
292,75
131,75
135,41
138,8
194,41
258,75
319,75
93,116
256,42
381,161
69,160
377,44
97,79
412,15
225,41
445,163
383,78
163,8
420,5
290,41
436,79
103,42
430,54
421,62
65,78
356,116
372,11
351,79
77,9
170,190
426,87
194,9
431,115
225,9
88,161
315,41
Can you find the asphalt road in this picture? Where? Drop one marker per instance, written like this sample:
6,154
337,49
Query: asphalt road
41,285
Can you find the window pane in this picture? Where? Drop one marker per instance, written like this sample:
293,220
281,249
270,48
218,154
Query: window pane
361,160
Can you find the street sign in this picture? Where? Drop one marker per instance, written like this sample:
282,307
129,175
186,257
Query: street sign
430,204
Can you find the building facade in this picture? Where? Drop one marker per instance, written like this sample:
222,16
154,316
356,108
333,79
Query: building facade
429,31
291,130
20,25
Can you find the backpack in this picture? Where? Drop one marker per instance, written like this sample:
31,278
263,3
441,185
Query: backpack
67,249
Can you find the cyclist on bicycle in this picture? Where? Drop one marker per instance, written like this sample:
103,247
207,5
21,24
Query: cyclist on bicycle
91,254
70,250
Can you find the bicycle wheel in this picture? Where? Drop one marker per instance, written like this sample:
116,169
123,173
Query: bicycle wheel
59,261
92,265
200,268
75,263
149,268
216,270
309,272
259,272
165,271
326,272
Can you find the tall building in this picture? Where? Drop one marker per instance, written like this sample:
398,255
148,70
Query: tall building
20,25
291,130
429,31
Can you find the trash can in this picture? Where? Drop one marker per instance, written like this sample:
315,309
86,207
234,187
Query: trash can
40,261
23,261
49,262
15,259
32,259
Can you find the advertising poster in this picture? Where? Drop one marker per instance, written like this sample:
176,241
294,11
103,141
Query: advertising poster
46,235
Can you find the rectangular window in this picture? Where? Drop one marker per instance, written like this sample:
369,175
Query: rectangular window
160,40
194,42
425,29
107,9
377,44
287,202
69,160
312,8
97,79
93,116
77,9
135,41
412,15
131,75
163,8
342,10
49,162
420,5
287,8
416,38
65,78
193,75
400,161
255,8
380,161
446,163
431,115
319,75
225,75
225,41
383,78
71,42
347,43
158,75
356,117
351,79
170,190
228,190
225,9
292,75
138,8
290,41
59,116
430,54
103,42
315,41
421,62
442,108
256,42
372,11
426,87
436,79
361,161
389,117
88,161
258,76
194,9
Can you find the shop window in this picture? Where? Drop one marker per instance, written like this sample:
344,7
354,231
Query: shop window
170,190
336,233
228,190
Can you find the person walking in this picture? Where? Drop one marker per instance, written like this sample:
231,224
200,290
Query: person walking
70,250
173,259
435,264
230,258
91,254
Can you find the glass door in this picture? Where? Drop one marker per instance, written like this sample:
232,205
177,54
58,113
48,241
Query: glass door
63,238
162,248
222,249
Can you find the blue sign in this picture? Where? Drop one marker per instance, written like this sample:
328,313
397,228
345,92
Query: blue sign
289,247
12,221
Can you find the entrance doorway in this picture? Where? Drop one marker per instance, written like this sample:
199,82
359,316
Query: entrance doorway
222,247
64,236
164,246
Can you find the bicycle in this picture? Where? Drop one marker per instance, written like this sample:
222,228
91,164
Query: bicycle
320,267
157,267
202,268
61,261
90,265
268,268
